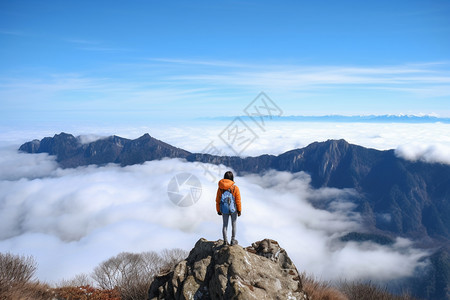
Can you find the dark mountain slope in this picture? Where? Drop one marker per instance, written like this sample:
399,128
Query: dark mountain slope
399,196
70,152
433,282
334,163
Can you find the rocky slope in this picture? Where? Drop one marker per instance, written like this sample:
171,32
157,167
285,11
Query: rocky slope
216,271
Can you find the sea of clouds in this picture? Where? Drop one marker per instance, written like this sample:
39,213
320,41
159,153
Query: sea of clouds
72,219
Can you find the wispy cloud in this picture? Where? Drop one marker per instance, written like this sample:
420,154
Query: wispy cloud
94,45
429,79
54,83
296,77
82,41
12,32
213,63
105,49
203,85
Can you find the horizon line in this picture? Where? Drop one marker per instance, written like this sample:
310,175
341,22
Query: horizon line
386,118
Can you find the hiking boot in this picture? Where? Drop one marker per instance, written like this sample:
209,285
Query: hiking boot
225,243
234,242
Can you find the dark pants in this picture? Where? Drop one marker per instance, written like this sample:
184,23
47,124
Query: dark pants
225,218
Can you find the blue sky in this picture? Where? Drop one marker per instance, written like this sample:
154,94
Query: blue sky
117,61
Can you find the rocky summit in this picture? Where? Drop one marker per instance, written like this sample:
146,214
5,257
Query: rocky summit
217,271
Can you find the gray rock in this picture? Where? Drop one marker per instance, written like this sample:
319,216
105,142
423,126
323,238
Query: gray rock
217,271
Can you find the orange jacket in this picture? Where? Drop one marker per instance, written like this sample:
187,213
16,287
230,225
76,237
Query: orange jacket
225,184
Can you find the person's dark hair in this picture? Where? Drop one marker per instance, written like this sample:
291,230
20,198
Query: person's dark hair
228,175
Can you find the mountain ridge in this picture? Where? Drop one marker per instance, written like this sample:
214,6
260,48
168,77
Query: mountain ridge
394,195
71,152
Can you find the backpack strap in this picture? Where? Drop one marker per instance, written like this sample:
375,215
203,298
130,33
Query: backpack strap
230,190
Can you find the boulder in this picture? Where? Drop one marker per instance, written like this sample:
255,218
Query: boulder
217,271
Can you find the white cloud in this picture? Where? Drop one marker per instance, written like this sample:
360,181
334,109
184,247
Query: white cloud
410,78
72,219
369,262
431,153
16,165
89,138
429,142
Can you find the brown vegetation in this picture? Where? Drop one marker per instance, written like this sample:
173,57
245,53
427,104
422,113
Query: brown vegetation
132,273
16,269
320,290
369,291
27,290
128,276
16,273
85,293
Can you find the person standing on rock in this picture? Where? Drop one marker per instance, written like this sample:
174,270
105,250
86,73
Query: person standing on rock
228,204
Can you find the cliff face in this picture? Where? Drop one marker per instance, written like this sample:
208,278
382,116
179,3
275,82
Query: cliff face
216,271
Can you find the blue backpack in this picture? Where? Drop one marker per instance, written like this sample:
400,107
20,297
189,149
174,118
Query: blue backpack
227,203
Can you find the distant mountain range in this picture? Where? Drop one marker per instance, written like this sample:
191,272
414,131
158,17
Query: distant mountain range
395,197
354,119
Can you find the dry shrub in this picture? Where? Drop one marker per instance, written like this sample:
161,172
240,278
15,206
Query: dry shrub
16,269
132,273
320,290
369,291
85,293
82,279
173,256
16,273
127,272
28,290
126,276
